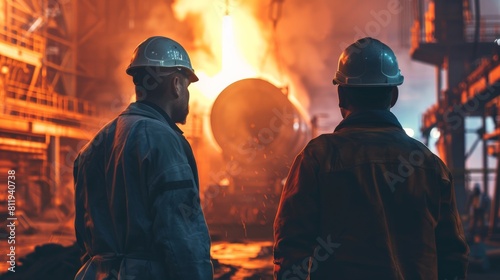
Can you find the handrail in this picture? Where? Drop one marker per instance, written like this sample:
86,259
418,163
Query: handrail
65,104
15,30
475,83
424,26
15,36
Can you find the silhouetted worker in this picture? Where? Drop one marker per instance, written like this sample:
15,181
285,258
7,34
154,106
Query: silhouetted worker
138,213
367,201
478,204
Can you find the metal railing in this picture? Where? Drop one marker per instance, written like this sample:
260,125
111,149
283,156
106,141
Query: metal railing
16,36
16,30
480,83
49,100
423,30
489,31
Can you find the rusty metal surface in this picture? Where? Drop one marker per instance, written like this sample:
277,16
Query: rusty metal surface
258,127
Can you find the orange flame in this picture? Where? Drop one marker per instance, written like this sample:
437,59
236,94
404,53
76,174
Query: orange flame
230,45
229,32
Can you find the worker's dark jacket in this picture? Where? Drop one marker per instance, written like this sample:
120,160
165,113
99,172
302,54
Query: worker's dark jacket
369,202
138,214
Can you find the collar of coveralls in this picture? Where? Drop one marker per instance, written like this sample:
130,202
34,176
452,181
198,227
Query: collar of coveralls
372,118
163,113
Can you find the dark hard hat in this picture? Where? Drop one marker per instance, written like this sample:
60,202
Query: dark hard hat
368,63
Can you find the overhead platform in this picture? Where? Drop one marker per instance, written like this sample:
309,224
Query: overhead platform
20,45
24,55
458,40
436,53
479,88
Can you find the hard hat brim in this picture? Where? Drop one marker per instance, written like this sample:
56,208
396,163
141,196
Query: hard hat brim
192,77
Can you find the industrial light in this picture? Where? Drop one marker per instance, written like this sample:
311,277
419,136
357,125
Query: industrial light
224,182
409,131
435,133
35,25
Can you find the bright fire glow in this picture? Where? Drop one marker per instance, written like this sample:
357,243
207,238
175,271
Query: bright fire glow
234,66
233,63
230,44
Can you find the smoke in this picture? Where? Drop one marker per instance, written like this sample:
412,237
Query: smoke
301,52
311,38
150,20
253,42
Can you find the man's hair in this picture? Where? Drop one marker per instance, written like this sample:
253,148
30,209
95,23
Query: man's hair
365,97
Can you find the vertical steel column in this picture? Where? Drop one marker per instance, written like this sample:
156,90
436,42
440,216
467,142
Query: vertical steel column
3,93
455,150
439,83
54,151
449,31
494,231
485,153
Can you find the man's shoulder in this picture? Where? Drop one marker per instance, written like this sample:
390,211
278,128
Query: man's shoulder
420,150
329,141
144,124
336,144
320,147
99,137
147,135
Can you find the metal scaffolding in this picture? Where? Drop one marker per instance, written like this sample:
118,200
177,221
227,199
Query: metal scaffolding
40,115
56,60
452,36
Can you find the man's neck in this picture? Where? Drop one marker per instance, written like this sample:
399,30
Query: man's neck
347,112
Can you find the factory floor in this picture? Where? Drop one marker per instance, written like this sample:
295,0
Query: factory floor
243,259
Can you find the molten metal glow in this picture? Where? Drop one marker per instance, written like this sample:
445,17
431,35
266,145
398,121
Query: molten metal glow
234,65
231,43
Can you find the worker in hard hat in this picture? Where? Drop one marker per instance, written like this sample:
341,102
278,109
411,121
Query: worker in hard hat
367,201
138,213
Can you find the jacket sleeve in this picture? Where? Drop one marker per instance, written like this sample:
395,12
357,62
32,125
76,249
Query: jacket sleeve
297,220
179,226
452,249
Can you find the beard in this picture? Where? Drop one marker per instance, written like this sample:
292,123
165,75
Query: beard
181,115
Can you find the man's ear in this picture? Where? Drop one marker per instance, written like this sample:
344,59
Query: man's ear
395,95
176,86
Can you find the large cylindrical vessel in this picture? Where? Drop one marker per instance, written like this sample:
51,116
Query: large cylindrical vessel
259,129
260,132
